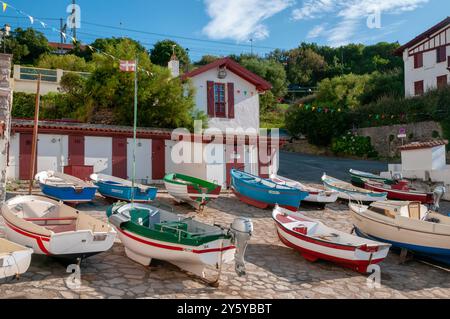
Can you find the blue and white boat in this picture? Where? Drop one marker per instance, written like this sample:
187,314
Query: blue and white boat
263,193
405,225
121,189
349,192
65,188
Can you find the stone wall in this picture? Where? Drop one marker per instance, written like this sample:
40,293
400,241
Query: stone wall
5,118
385,138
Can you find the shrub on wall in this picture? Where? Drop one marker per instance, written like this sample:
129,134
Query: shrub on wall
352,145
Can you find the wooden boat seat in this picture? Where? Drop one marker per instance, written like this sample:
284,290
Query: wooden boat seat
383,211
57,229
414,210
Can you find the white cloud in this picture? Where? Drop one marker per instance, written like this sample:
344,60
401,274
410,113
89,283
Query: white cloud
352,14
316,31
241,20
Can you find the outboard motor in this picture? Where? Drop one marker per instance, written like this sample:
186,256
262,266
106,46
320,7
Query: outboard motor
241,229
438,193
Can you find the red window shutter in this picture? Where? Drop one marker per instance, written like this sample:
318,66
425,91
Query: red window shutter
210,98
441,52
231,100
441,81
418,60
418,88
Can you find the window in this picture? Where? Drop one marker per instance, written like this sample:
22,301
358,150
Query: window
418,88
441,81
418,60
441,53
219,100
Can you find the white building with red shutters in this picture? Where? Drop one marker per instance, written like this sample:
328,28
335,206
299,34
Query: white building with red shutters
427,60
229,94
226,91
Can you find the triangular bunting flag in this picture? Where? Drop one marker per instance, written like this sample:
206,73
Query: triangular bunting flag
31,19
5,6
43,24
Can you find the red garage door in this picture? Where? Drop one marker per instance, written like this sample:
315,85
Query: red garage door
158,159
119,157
26,141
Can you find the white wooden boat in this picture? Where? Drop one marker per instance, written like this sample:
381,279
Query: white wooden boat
54,229
316,241
315,195
14,259
148,232
347,191
405,225
66,188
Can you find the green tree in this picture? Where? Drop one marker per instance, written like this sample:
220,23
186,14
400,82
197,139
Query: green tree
163,50
305,67
68,62
206,59
26,46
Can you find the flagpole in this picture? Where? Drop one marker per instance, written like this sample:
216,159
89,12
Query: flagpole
135,127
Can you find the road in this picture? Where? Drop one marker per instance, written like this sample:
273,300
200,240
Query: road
310,168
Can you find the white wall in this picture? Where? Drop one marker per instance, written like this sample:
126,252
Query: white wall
246,106
13,167
98,153
143,160
53,151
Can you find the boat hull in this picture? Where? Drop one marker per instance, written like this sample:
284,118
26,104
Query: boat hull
422,242
264,197
124,193
312,250
69,194
193,259
15,263
394,194
358,178
357,196
80,244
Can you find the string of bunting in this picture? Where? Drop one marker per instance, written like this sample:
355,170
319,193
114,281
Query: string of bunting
5,6
328,110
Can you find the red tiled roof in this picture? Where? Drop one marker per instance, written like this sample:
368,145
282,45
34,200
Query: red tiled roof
261,84
423,145
423,36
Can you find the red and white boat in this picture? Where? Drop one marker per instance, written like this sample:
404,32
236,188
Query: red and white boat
400,191
316,241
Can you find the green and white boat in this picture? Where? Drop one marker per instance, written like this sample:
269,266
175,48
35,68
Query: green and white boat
191,190
148,232
359,177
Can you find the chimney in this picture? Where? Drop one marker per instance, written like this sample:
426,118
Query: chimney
174,65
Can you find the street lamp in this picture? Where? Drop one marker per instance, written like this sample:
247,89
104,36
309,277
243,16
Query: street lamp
5,32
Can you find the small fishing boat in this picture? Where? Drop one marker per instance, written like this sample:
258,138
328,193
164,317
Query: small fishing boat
191,190
400,191
120,189
262,193
315,195
14,259
316,241
349,192
358,178
66,188
408,226
55,229
148,232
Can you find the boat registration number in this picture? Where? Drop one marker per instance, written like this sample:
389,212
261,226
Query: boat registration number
274,193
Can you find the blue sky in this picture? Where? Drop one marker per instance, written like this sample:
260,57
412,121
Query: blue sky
221,27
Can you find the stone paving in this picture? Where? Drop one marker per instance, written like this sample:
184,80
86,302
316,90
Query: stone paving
273,270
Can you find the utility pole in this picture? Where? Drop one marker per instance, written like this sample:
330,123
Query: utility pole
251,45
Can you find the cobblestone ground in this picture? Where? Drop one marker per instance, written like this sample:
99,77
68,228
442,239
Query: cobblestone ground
273,270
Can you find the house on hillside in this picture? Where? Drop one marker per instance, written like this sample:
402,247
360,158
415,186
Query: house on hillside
427,59
229,94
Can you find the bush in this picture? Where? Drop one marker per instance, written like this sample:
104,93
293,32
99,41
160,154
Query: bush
352,145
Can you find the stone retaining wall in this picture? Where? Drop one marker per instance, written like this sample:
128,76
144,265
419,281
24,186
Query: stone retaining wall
385,138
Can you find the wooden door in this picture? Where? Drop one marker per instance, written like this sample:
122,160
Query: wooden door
26,142
235,160
119,157
76,150
158,159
